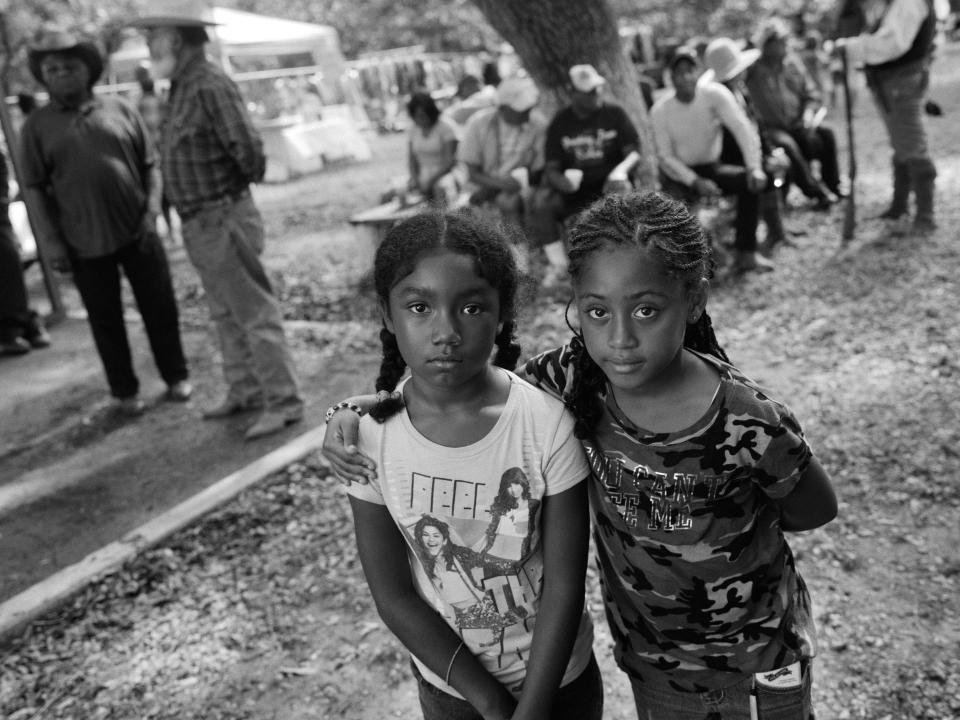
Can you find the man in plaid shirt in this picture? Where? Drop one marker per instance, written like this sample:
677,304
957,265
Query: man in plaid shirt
210,153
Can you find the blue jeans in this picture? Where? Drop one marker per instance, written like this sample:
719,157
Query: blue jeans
729,703
581,699
224,244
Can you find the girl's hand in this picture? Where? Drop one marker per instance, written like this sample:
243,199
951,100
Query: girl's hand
340,449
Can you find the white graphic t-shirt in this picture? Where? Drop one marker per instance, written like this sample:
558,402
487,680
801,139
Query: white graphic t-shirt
471,519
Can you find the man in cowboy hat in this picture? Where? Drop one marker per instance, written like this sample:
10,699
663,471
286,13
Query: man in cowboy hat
88,163
688,128
726,64
786,100
210,154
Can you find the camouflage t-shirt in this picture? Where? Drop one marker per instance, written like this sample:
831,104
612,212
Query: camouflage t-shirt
699,584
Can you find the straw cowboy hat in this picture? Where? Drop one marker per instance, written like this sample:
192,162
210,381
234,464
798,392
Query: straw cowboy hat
58,40
725,58
175,13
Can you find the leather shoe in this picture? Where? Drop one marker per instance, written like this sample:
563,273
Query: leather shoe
271,421
131,406
38,337
179,392
228,407
14,346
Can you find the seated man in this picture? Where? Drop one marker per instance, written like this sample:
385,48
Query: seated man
786,101
688,128
595,139
502,149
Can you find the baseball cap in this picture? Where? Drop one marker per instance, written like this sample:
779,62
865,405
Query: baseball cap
684,53
585,78
518,93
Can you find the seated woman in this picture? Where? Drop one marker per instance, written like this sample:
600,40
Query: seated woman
432,151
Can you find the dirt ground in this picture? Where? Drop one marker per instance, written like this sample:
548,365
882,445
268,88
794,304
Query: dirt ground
260,610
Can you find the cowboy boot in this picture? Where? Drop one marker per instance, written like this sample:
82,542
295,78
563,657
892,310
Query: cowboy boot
901,192
922,176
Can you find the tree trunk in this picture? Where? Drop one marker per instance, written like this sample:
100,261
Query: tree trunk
550,36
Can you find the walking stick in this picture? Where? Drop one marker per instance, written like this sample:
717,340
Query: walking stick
850,211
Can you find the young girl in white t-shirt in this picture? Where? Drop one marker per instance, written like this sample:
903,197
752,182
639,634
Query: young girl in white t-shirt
493,617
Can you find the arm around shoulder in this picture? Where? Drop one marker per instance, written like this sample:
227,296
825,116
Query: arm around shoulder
812,502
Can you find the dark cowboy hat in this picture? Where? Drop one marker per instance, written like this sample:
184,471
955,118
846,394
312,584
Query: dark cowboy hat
57,40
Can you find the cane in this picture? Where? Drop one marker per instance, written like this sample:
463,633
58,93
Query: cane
850,211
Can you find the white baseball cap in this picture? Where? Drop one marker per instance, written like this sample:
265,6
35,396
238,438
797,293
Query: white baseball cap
518,93
585,78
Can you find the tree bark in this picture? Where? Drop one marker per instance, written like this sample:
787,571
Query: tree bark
550,36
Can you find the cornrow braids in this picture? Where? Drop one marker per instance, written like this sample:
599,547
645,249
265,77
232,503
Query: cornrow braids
392,367
665,228
584,400
508,349
662,226
699,336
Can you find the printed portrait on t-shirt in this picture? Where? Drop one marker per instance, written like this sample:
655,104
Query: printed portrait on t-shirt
484,596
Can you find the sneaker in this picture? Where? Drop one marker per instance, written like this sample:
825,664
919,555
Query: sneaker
131,406
37,336
179,391
229,406
14,346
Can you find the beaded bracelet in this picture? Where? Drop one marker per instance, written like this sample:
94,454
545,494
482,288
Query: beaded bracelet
453,657
342,405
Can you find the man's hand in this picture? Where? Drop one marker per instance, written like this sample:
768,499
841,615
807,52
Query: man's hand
756,180
704,187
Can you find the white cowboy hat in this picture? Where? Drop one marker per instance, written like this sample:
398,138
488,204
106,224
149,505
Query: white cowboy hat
175,13
726,59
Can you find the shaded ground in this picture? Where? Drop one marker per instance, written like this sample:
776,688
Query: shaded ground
260,611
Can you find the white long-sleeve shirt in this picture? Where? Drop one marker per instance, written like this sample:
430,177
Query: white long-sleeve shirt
893,37
688,134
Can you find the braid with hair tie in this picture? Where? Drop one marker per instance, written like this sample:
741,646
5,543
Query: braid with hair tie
392,367
508,349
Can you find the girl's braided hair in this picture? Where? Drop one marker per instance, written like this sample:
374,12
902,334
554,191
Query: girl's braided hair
463,231
665,228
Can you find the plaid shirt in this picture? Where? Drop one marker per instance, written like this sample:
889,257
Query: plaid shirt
209,146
